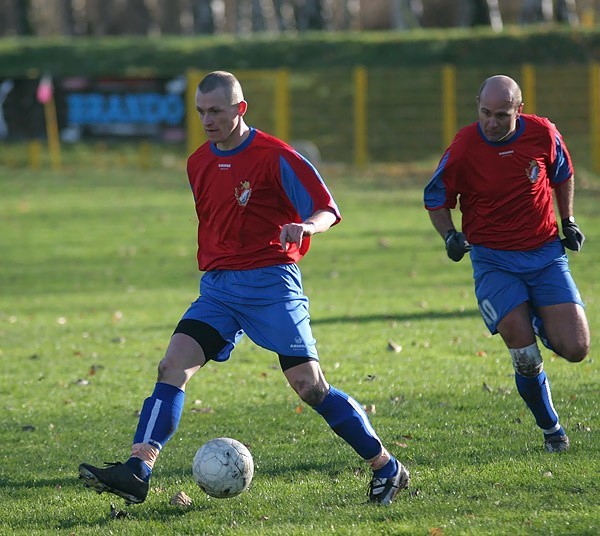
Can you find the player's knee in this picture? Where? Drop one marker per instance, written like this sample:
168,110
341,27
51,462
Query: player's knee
164,368
527,361
311,393
576,352
172,372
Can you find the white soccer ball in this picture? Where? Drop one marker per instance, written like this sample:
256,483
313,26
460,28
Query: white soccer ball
223,467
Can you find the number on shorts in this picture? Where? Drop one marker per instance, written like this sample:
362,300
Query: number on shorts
488,312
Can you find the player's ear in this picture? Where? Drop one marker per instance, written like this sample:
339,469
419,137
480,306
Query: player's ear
242,107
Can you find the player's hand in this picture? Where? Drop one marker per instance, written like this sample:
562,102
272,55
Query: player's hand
293,233
574,238
456,245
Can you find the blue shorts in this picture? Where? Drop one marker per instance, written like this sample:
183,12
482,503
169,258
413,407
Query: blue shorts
267,304
505,279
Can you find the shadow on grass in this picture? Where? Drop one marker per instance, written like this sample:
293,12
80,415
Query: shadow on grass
429,315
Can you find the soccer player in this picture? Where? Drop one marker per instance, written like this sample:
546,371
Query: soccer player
504,170
258,204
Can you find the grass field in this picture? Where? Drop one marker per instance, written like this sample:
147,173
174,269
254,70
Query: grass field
97,264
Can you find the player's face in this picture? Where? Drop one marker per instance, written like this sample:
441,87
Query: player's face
497,117
219,118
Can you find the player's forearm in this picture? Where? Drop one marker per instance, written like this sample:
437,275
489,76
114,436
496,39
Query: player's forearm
321,221
565,194
441,220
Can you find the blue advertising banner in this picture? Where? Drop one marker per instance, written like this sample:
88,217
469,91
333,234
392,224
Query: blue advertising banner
88,109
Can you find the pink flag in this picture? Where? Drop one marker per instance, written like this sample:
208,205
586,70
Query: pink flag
44,90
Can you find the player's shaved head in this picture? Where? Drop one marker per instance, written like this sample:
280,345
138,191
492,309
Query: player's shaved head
499,105
501,87
222,80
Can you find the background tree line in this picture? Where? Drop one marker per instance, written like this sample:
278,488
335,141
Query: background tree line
207,17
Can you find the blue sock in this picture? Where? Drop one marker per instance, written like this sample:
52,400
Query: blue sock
388,470
348,419
158,421
140,468
536,394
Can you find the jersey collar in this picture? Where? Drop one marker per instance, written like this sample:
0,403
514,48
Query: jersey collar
515,136
237,149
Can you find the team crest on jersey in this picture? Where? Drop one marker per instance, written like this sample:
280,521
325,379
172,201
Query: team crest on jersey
243,193
533,171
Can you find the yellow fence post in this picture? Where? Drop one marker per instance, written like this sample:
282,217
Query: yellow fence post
448,104
53,135
194,134
529,89
35,154
360,116
594,83
282,105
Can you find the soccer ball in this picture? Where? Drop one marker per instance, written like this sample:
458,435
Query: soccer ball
223,467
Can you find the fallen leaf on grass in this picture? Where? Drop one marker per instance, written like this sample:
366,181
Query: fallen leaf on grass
181,499
436,531
394,346
206,409
92,370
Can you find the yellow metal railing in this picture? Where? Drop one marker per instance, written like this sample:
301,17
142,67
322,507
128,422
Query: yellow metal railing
279,115
448,104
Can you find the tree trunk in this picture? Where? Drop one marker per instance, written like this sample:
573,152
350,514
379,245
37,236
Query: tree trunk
257,17
15,17
406,14
8,23
342,19
66,18
536,11
494,15
232,16
204,17
309,15
566,11
135,20
169,20
278,12
479,13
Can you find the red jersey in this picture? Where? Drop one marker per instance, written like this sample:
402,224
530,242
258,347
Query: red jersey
504,188
244,197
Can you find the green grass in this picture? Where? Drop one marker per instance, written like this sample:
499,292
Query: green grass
97,264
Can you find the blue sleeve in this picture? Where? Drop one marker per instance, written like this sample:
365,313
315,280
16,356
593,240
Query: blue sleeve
562,170
295,190
435,191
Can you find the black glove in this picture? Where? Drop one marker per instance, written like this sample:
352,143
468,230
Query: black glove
456,245
573,236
